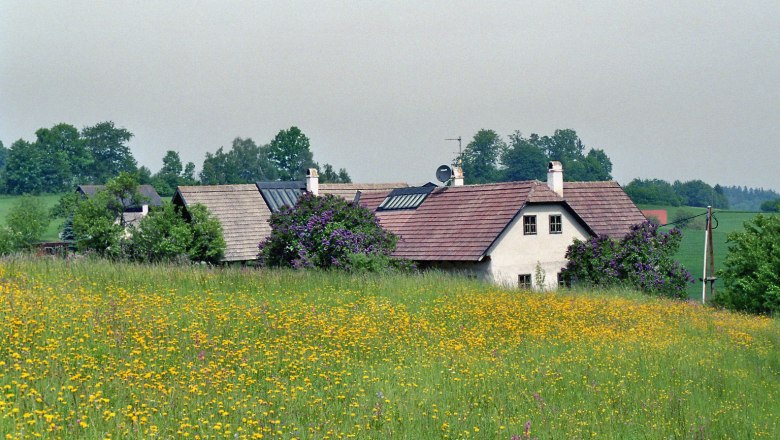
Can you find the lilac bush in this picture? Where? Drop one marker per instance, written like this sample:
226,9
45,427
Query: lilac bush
324,232
643,259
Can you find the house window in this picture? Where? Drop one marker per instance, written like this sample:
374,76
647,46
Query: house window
529,225
556,225
524,281
561,281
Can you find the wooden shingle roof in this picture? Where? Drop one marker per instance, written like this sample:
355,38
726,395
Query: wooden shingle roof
457,223
604,206
461,223
240,210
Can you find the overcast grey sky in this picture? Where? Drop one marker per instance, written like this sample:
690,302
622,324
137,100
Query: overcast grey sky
674,90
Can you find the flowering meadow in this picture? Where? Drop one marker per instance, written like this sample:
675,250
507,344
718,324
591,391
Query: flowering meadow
95,350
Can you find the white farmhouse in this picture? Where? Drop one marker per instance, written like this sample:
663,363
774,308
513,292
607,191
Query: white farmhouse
512,233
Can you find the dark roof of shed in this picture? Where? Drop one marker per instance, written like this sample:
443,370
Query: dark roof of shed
604,206
147,191
457,223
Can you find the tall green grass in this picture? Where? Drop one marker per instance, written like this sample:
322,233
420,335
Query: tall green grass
89,348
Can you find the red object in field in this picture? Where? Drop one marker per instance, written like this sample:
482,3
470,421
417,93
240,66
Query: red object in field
660,214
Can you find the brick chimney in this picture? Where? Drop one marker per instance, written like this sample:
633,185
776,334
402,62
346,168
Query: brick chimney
313,181
555,177
457,176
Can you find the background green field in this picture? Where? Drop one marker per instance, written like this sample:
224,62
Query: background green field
49,200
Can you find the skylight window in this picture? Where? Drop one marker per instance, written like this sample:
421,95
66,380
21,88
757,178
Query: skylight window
405,198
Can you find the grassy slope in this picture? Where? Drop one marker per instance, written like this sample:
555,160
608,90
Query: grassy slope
90,348
49,200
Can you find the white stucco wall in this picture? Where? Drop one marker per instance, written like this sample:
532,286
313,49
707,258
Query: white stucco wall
514,253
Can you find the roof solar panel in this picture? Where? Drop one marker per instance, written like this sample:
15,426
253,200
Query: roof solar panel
405,198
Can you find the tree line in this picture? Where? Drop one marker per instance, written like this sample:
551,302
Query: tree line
62,157
700,194
489,158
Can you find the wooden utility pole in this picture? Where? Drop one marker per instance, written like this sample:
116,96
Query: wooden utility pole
711,279
708,276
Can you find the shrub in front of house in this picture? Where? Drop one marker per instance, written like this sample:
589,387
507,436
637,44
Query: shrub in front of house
26,222
327,232
642,260
164,235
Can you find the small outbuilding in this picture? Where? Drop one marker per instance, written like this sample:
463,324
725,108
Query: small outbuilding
133,212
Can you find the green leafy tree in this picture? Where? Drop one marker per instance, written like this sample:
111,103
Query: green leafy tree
68,160
208,242
698,193
98,221
752,267
523,160
329,175
246,162
3,155
26,222
172,174
771,206
24,172
108,148
123,195
598,166
324,232
563,145
95,227
66,208
480,158
144,176
289,152
652,191
162,235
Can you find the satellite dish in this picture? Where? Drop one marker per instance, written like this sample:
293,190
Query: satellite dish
444,173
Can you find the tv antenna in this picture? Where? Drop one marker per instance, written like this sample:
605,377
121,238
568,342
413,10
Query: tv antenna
460,146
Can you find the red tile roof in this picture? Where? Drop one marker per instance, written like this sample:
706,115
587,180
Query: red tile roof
457,223
461,223
604,206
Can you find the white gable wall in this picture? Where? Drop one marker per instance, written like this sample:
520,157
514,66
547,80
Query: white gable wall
515,253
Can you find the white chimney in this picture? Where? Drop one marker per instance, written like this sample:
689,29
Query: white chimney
313,181
555,177
457,176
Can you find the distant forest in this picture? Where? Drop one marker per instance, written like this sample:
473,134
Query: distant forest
701,194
